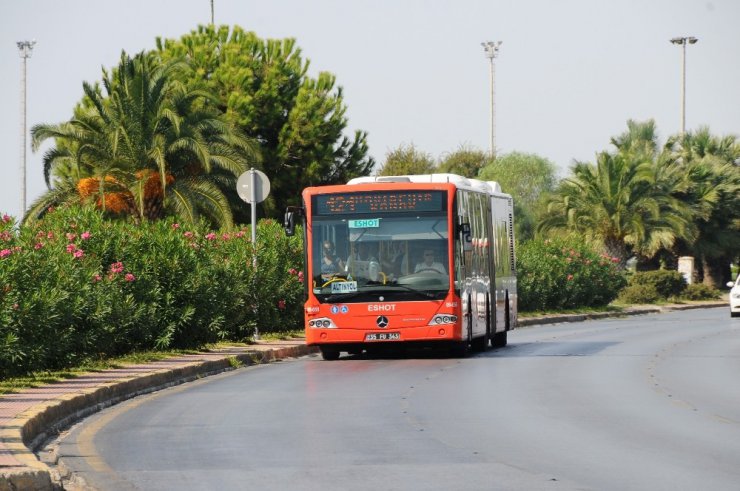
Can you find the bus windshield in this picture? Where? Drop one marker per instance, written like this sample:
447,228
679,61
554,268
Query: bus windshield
390,255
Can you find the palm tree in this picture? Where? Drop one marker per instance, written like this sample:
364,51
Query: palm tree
713,192
157,146
626,200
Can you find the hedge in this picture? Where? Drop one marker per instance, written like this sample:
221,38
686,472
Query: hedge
77,286
556,274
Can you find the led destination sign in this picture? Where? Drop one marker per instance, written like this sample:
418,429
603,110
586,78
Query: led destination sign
379,201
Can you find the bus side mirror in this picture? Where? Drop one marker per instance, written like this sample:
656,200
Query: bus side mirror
289,223
289,219
464,231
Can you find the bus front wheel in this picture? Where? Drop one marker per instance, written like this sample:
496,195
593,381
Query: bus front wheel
328,353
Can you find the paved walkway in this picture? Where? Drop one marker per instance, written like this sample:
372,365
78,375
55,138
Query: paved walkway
30,417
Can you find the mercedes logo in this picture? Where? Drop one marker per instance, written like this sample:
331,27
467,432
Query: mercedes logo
382,321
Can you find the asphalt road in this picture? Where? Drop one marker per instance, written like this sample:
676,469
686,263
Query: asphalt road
649,402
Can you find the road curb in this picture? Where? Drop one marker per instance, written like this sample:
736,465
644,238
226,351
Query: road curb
34,426
636,310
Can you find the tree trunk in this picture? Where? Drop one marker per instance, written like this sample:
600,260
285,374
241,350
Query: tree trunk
616,249
713,271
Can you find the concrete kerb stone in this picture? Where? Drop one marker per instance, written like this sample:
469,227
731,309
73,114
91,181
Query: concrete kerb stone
31,428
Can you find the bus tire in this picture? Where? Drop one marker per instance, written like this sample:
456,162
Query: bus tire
499,339
328,353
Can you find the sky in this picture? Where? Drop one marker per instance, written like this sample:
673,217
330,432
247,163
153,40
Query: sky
569,73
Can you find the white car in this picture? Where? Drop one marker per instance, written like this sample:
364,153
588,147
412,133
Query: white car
735,297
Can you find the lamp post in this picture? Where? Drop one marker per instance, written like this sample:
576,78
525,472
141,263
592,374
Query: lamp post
683,41
25,47
491,49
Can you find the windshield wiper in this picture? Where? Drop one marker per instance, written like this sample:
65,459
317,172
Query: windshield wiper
420,292
338,297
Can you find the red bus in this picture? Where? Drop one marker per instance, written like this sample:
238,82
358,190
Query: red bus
411,260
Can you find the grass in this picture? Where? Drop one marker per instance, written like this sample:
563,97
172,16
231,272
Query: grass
37,379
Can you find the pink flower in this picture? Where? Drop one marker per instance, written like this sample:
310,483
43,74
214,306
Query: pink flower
97,278
281,304
116,267
210,236
71,236
41,235
615,259
225,236
50,235
38,245
175,226
189,235
129,277
71,248
5,253
78,253
292,271
85,235
15,306
570,277
240,234
6,218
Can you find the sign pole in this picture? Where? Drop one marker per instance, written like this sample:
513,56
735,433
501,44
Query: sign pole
253,187
253,206
253,212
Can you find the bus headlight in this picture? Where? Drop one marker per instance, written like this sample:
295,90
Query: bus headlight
443,319
322,322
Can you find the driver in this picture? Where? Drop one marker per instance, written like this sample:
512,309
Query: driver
429,263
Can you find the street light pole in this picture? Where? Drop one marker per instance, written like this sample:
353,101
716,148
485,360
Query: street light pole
25,47
491,49
683,41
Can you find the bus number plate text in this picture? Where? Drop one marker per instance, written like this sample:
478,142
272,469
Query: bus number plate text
382,336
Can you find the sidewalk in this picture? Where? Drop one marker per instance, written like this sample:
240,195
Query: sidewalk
30,417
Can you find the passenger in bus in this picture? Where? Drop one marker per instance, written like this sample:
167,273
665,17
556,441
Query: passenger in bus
364,252
396,262
328,265
429,264
328,247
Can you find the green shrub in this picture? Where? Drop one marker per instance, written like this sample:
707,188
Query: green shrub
559,274
639,294
75,286
699,291
667,283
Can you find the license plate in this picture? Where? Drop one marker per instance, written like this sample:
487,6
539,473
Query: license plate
382,336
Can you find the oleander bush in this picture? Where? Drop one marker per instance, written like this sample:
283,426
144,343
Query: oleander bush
564,273
76,286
